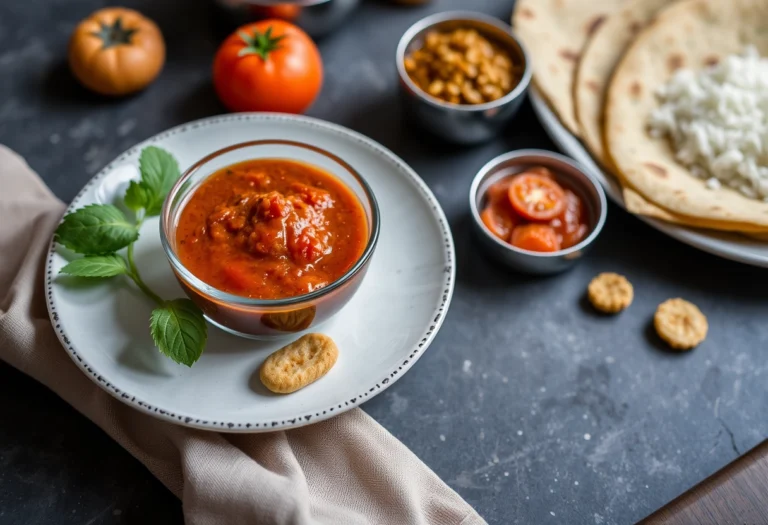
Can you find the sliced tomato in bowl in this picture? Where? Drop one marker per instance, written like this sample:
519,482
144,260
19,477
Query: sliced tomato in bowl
570,225
536,197
501,224
535,238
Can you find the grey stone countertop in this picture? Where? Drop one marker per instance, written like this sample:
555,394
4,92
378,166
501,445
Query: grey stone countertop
531,406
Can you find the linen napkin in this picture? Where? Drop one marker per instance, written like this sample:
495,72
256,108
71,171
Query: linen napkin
347,470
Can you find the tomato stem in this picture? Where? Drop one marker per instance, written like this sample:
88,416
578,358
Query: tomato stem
115,34
259,43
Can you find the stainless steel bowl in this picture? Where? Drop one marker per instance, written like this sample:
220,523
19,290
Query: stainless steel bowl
317,17
570,175
461,123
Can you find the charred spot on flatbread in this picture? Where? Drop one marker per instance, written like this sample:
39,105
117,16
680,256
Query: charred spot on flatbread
635,89
527,12
593,86
569,55
660,171
675,61
711,60
594,24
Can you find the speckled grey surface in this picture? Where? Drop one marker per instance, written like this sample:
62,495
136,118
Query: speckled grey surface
531,406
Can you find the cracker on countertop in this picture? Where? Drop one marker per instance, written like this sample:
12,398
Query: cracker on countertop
610,292
680,324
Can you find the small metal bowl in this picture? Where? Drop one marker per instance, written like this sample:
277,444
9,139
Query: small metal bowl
570,175
462,123
317,17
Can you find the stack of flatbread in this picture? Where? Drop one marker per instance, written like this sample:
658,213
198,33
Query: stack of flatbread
599,63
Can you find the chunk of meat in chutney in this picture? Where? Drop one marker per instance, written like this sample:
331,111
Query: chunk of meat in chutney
281,230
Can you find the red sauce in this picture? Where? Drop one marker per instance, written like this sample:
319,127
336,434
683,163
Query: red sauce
271,229
513,203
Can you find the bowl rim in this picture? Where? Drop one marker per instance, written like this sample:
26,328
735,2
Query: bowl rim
231,299
457,16
522,154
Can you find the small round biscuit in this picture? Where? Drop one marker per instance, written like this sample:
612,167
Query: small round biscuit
680,324
610,292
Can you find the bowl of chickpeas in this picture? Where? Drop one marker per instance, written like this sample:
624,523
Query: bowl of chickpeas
463,75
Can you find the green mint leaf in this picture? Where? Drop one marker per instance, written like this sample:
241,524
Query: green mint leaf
96,229
179,330
97,266
159,172
136,196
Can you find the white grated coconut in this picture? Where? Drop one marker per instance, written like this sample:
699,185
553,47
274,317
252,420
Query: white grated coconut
717,120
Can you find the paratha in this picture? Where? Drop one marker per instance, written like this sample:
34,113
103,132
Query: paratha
600,57
690,34
554,32
634,203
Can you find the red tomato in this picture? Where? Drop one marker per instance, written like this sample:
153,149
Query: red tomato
283,11
268,66
535,237
535,197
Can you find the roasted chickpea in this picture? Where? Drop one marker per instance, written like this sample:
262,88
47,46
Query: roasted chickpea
462,67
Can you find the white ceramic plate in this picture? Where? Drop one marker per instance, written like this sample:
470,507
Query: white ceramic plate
728,245
381,332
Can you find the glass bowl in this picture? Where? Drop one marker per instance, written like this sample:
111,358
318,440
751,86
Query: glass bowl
268,318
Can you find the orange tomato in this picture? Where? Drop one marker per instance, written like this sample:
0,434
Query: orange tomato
535,197
116,51
268,66
536,238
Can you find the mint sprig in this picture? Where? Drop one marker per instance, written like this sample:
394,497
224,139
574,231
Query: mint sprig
179,330
159,172
98,231
97,266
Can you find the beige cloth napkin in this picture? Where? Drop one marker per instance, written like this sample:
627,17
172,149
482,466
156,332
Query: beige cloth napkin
348,470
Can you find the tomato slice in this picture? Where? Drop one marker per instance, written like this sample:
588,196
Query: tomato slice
535,197
536,238
499,222
570,225
497,193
